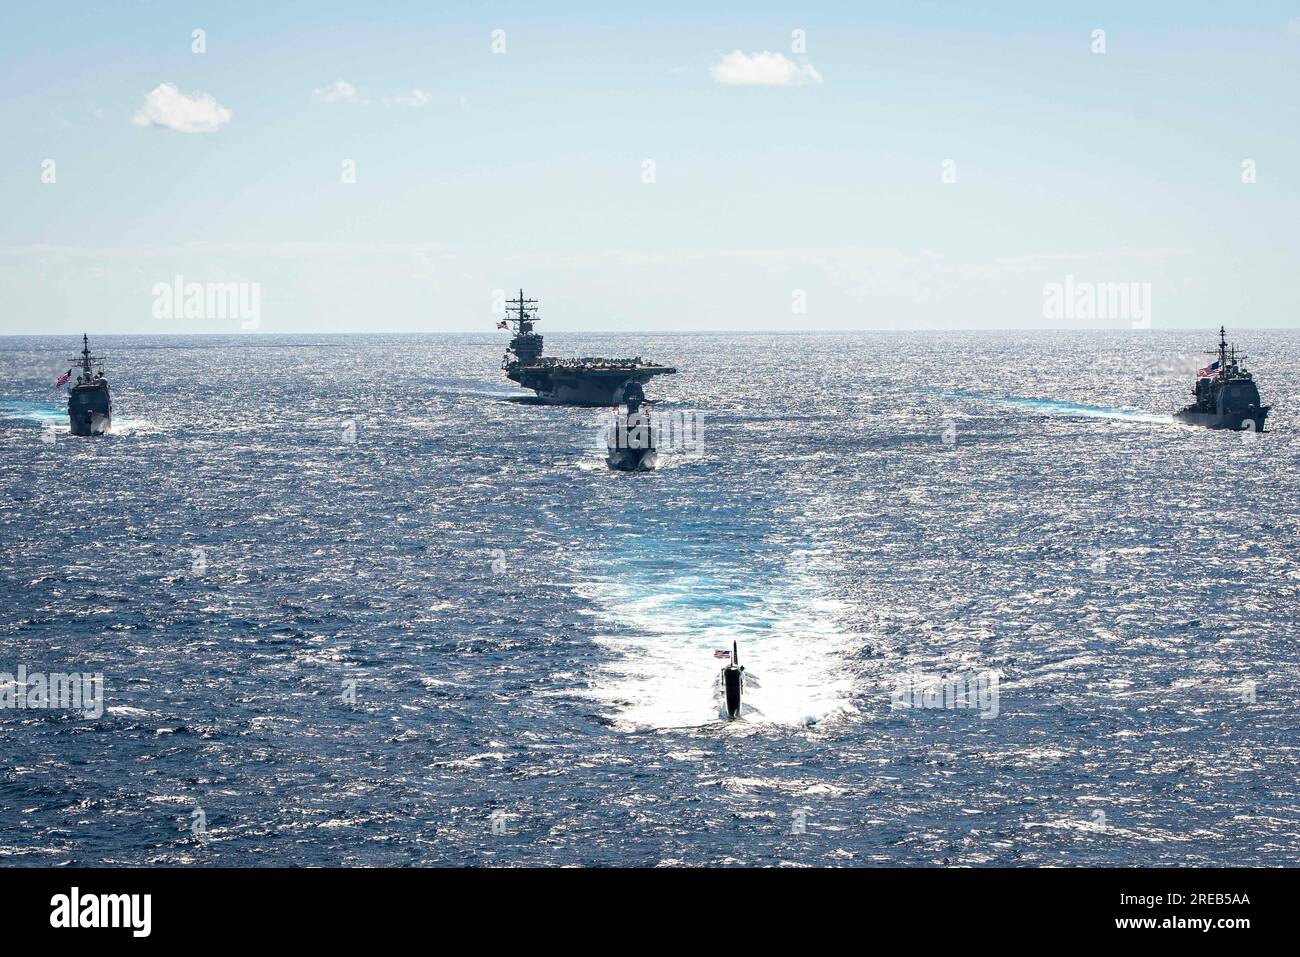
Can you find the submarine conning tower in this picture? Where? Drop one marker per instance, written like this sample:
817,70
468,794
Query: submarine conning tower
732,683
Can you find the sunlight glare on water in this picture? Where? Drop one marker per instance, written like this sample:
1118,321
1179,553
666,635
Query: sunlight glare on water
660,638
350,611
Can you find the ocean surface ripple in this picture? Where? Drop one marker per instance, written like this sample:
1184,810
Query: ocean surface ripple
353,605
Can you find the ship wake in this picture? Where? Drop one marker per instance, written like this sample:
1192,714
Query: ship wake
46,415
1057,407
660,632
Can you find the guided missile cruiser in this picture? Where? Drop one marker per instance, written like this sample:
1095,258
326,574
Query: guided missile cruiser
631,436
90,407
585,381
1225,394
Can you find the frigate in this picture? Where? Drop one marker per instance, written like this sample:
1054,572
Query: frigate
1225,393
589,381
631,436
90,407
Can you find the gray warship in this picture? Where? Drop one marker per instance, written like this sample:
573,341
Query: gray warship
1226,394
90,407
586,381
631,436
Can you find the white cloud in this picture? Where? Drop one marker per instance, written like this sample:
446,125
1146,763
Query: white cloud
415,99
762,69
168,107
340,91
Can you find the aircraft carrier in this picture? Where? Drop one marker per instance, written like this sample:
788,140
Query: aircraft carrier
586,381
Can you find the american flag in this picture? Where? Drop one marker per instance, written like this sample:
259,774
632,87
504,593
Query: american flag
63,379
721,653
502,325
1209,371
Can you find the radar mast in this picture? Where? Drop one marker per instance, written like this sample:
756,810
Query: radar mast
86,360
525,312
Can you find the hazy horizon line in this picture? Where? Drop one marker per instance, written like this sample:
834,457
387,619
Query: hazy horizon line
247,334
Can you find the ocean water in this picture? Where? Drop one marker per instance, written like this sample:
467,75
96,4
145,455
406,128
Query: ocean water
354,605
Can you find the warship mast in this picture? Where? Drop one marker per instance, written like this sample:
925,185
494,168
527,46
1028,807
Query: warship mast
86,360
527,312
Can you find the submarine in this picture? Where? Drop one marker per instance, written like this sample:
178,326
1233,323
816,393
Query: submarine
631,436
90,406
1226,396
733,683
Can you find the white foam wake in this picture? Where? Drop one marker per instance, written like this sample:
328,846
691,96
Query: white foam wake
56,418
660,637
1065,408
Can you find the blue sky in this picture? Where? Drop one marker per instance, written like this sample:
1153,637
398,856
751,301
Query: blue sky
478,171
